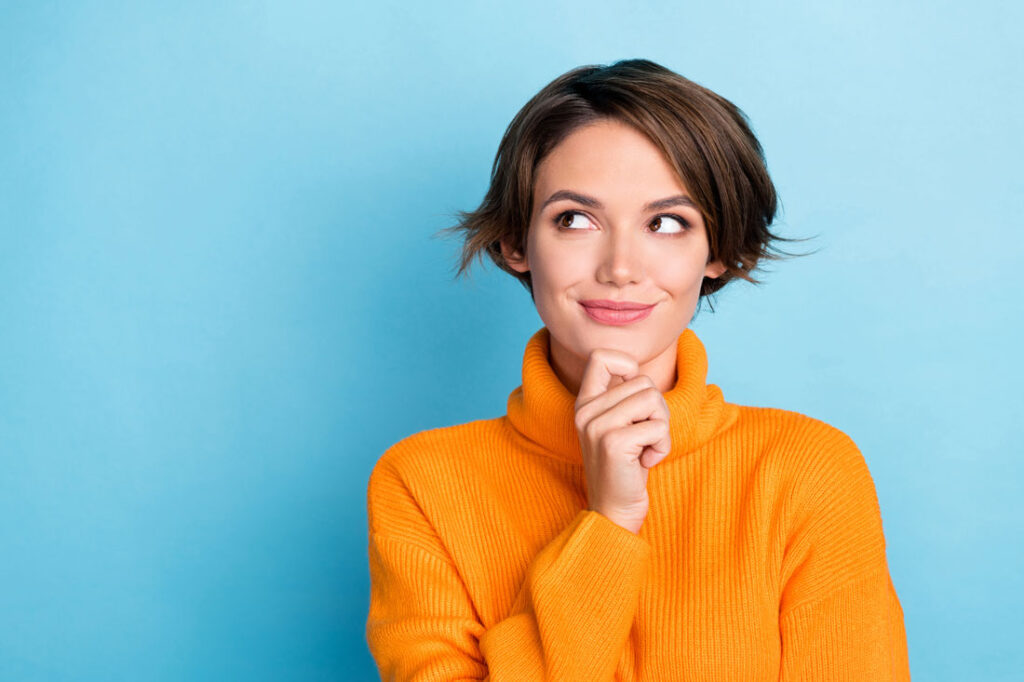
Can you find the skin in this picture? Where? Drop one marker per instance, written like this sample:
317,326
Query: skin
620,251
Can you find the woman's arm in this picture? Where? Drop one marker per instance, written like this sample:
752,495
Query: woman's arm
569,622
839,615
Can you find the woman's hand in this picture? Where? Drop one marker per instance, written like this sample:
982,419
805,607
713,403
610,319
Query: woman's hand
622,423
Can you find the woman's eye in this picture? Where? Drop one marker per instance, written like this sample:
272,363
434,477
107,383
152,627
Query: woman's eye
662,224
659,226
565,220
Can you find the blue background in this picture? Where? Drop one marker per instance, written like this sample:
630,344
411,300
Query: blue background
222,298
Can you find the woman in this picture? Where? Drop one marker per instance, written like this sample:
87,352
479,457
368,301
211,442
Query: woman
622,520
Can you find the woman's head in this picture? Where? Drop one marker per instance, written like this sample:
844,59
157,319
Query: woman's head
618,137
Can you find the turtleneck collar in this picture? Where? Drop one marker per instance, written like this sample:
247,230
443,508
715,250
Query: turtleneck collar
543,410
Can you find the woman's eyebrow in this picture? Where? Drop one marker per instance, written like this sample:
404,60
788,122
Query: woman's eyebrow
677,200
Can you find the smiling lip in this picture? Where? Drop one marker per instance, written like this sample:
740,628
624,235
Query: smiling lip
616,305
616,312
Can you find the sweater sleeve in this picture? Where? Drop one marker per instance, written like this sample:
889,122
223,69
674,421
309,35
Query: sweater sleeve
570,619
840,617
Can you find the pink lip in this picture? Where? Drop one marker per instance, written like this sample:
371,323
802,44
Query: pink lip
616,313
616,305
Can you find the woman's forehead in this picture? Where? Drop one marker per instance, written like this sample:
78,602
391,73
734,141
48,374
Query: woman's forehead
609,159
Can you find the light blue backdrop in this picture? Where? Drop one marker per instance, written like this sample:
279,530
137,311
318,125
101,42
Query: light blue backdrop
221,301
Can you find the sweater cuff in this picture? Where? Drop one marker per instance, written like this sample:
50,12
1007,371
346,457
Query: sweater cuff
607,563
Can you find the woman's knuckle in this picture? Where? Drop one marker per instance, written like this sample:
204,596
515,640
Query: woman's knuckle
609,441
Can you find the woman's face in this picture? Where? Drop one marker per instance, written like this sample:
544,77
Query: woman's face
592,236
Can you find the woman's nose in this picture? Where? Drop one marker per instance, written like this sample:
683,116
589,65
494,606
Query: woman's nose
621,259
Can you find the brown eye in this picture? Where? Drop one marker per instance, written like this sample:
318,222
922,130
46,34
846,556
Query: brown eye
564,220
657,224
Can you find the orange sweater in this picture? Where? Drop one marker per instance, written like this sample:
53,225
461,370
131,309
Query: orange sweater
762,556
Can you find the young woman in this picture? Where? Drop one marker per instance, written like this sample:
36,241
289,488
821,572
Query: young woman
623,521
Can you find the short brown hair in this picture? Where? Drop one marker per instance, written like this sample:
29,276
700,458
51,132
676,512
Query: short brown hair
705,137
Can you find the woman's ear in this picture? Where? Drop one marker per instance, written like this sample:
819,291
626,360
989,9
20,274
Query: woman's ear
714,270
516,260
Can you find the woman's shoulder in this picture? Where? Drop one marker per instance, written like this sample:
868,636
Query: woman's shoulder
814,474
786,424
438,453
798,441
442,441
416,476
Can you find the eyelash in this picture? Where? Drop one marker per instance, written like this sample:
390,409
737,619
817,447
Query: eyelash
682,221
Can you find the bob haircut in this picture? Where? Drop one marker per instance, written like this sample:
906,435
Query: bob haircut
706,139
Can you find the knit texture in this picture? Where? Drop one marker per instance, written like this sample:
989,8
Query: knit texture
762,556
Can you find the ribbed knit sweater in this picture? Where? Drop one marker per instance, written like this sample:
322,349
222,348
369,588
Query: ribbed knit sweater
762,556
